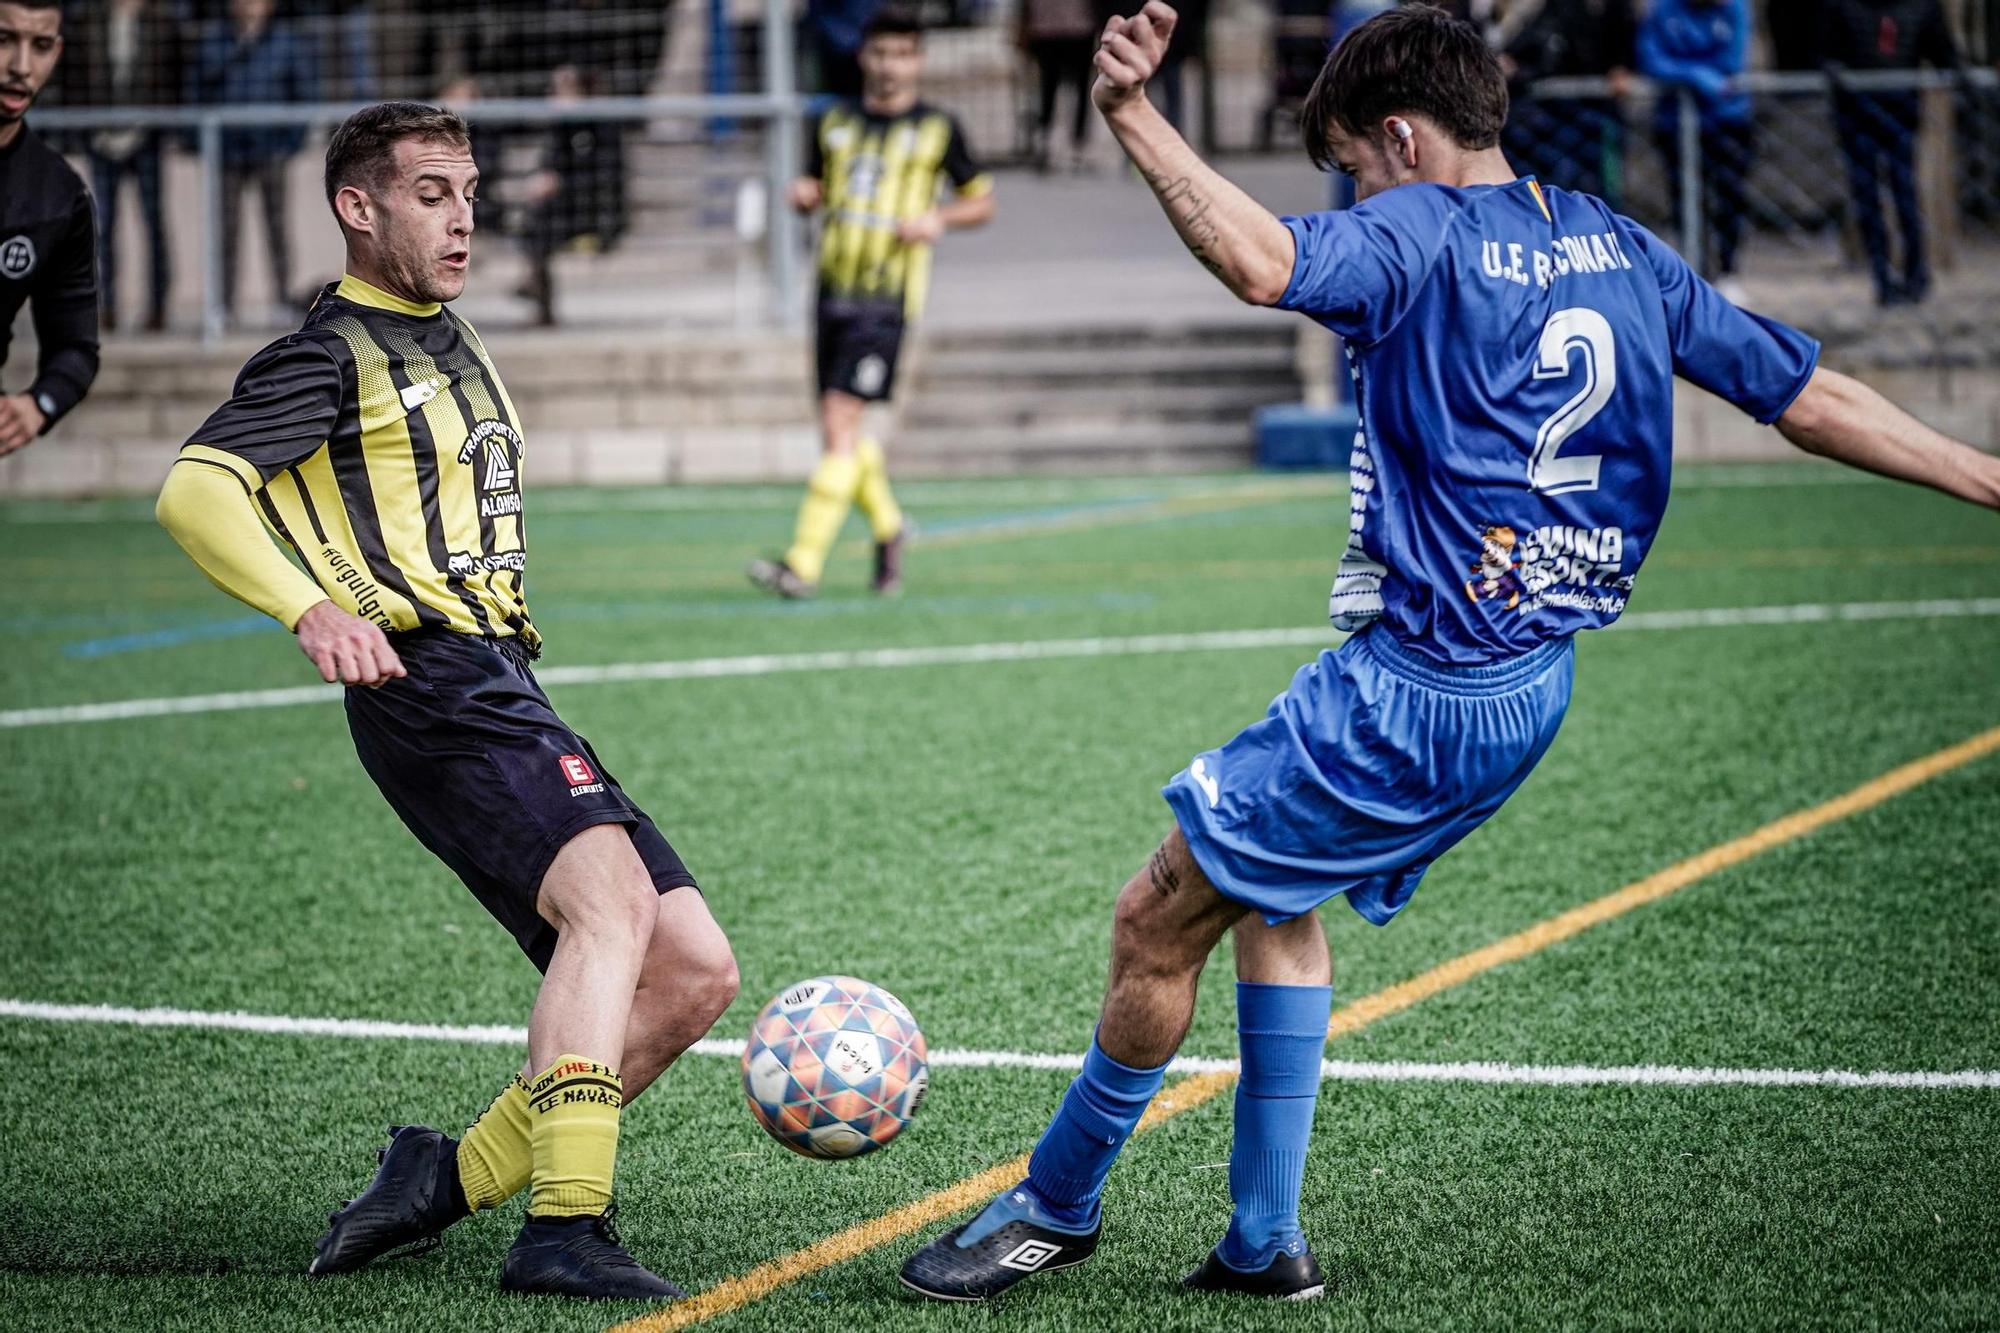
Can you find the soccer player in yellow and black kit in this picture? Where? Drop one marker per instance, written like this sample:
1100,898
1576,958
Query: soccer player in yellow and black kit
877,167
379,445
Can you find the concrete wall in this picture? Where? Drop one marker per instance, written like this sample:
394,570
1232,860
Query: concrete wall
737,406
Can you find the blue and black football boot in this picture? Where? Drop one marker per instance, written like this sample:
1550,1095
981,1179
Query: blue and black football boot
415,1195
1292,1275
1014,1238
579,1256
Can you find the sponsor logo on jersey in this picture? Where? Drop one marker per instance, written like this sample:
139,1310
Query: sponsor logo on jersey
464,564
494,447
416,395
17,257
1578,569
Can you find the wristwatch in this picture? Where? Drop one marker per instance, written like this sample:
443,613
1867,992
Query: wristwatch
48,406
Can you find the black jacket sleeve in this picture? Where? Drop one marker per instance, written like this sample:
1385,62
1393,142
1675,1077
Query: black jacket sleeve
1935,44
814,164
65,313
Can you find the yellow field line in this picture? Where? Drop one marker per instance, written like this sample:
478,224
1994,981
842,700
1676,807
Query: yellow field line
736,1292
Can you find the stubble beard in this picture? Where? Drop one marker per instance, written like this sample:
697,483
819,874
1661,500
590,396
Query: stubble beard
419,280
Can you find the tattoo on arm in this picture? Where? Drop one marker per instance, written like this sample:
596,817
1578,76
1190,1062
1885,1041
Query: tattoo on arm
1161,871
1184,203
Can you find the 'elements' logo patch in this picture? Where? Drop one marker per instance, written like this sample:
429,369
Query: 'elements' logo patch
582,781
17,257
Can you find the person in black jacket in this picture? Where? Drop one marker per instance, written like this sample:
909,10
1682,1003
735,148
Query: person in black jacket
578,195
1576,143
128,54
47,234
1878,128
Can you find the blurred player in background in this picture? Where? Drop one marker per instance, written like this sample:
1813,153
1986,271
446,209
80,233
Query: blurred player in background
1514,350
48,234
379,444
877,167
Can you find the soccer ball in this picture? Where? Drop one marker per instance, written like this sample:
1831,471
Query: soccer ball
835,1067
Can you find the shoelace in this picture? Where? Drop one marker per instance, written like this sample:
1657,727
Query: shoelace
605,1226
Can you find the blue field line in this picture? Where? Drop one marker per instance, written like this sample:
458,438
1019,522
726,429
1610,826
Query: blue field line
175,636
768,608
1030,518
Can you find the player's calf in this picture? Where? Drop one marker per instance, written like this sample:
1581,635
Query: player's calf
689,978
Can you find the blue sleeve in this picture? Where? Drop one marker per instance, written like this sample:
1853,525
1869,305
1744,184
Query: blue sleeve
1656,63
1738,58
1357,270
1743,358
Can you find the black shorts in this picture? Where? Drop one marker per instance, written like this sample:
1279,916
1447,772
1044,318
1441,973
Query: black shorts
471,755
857,344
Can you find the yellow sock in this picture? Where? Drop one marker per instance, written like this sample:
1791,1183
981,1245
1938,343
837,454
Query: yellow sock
828,494
877,501
573,1128
494,1157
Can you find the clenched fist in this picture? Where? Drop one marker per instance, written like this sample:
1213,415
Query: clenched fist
1128,53
345,647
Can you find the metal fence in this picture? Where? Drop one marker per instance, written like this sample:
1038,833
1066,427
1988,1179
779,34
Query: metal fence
649,210
1894,173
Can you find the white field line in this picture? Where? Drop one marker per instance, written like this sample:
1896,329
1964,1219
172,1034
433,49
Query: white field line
1353,1071
1027,650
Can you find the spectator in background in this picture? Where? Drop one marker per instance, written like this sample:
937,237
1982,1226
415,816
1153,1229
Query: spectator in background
1060,36
577,197
1577,143
1794,28
341,34
1878,127
249,58
1189,41
833,28
1700,46
128,53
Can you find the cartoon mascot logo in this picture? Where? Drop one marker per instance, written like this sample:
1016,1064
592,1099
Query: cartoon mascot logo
1495,575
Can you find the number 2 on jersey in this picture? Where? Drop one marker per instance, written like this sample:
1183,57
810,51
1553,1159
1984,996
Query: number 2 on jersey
1578,329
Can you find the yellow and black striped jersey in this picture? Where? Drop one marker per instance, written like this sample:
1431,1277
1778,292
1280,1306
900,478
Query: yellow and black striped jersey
381,447
877,172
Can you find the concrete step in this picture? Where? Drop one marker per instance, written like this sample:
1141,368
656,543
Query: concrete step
1111,439
1104,366
1129,455
1039,408
1261,333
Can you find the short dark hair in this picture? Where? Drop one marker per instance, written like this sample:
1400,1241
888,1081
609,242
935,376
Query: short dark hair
363,148
892,21
1413,61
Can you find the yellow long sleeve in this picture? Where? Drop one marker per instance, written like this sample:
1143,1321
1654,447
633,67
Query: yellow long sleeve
211,516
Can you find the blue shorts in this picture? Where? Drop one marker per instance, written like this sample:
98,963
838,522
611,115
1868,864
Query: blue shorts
1372,765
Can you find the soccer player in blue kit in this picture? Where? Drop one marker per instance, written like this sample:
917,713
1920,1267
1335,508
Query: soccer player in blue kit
1513,350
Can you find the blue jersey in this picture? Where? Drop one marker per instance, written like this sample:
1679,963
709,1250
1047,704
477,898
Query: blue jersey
1513,350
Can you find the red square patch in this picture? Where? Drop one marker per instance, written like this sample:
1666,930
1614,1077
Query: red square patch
576,770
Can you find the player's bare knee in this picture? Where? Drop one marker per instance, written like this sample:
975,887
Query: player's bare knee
599,887
713,980
1149,936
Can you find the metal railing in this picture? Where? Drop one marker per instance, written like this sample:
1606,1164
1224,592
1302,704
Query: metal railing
1794,117
778,111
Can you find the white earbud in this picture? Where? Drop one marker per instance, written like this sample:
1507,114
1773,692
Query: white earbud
1401,129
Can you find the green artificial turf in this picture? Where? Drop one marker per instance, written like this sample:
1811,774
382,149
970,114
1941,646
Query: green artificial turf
957,833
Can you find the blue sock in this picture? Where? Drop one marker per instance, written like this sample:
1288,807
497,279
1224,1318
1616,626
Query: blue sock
1282,1034
1098,1114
